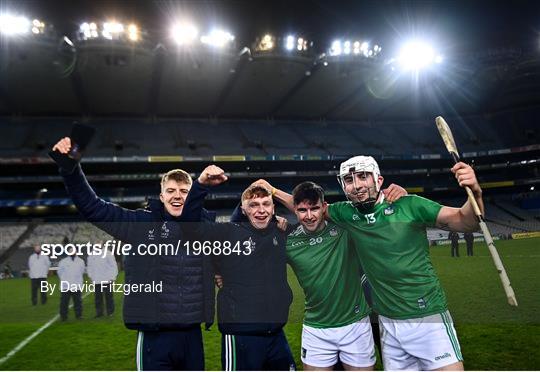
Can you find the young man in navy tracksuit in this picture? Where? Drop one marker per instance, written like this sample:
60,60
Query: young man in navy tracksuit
253,304
168,323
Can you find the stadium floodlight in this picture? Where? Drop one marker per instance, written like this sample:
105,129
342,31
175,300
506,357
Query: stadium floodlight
14,25
217,38
266,43
38,27
356,47
289,42
416,55
89,30
133,32
335,49
112,30
184,33
347,47
301,44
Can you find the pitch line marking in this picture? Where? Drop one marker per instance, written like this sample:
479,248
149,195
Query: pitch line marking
25,342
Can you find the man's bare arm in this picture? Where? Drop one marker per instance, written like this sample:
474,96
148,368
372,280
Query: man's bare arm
279,195
462,219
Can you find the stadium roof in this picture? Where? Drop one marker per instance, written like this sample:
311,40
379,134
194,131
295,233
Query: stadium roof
491,51
458,24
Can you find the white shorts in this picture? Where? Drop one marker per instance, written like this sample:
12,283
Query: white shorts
419,344
353,343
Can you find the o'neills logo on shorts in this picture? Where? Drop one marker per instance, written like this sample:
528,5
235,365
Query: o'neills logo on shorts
304,352
445,355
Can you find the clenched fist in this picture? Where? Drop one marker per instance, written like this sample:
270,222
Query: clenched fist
63,146
212,175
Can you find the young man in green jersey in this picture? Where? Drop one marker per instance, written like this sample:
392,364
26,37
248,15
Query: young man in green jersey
336,317
416,328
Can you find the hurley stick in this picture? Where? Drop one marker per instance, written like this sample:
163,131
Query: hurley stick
450,144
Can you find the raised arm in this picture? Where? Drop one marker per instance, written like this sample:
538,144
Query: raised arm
104,214
212,175
462,219
279,195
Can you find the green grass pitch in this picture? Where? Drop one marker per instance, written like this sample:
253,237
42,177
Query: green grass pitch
493,335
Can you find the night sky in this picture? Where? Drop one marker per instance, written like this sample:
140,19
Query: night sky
452,26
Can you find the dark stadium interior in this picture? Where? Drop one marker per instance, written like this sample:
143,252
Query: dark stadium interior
284,90
282,114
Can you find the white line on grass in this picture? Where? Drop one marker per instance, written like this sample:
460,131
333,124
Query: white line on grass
484,256
24,342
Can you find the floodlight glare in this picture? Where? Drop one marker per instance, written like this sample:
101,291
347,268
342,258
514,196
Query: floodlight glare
289,43
416,55
184,34
356,47
266,43
217,38
13,25
302,44
347,47
133,32
335,49
112,30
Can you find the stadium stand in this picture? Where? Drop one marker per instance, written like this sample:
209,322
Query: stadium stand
9,233
204,137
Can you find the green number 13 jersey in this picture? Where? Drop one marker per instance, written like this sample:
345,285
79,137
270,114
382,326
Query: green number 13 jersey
392,245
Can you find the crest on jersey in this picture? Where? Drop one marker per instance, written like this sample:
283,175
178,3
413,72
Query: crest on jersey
388,211
164,230
251,244
333,232
275,241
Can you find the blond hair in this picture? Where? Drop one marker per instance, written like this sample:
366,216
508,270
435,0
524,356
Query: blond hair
178,175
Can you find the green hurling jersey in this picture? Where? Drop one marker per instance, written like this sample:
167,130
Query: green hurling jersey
327,269
393,249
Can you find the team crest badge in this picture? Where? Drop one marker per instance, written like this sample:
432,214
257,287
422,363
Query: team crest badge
275,241
164,230
388,211
333,232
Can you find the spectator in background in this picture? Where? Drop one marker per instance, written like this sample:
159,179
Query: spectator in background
469,240
70,272
454,242
102,270
38,269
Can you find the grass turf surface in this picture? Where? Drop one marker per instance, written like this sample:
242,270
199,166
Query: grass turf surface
493,335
